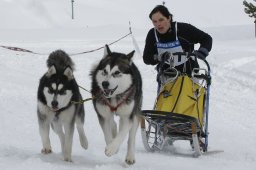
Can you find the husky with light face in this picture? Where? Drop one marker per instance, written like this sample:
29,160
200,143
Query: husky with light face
57,89
117,90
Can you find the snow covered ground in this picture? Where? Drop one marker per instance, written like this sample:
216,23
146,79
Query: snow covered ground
46,26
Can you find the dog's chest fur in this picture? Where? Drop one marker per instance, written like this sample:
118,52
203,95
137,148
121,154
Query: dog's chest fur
64,116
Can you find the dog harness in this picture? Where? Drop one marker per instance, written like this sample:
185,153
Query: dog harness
58,112
121,98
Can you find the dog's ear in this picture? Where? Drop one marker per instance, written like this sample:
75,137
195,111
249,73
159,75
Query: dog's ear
69,73
51,71
106,51
130,55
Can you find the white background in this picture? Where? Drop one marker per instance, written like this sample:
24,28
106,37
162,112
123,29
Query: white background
44,26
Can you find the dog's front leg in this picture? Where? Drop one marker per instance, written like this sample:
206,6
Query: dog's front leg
130,156
108,126
57,128
69,131
44,129
124,127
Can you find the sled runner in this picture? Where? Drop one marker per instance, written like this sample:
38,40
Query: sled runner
181,108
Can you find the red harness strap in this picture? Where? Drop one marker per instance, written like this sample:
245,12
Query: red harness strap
124,99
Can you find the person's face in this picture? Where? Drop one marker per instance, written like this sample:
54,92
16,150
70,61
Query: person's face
160,22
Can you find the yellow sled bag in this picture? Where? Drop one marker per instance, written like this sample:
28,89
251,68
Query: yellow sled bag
182,96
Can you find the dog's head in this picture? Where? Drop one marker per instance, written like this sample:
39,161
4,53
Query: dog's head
113,75
57,88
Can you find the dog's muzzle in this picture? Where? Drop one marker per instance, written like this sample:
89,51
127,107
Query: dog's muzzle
109,92
55,107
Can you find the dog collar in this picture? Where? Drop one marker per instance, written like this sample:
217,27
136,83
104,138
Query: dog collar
57,113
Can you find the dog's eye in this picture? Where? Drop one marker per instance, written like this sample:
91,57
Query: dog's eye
50,91
104,72
62,92
116,73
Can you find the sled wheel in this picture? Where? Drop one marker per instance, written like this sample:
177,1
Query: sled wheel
148,132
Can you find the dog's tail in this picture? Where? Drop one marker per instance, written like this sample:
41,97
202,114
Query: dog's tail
60,60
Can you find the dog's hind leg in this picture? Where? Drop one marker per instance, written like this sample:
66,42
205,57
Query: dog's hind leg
130,156
80,129
124,127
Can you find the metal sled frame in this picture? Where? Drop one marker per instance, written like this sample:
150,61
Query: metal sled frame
159,128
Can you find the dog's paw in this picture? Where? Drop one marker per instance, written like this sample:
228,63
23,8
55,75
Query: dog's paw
111,149
85,146
46,151
68,159
130,160
84,143
83,139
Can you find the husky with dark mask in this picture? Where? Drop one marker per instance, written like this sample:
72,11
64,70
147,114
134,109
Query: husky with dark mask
57,89
117,90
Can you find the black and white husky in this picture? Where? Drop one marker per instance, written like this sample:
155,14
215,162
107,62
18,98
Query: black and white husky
57,89
117,90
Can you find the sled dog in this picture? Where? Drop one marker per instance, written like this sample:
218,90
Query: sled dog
117,90
57,89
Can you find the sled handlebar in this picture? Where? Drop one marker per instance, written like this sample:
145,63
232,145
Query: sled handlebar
189,55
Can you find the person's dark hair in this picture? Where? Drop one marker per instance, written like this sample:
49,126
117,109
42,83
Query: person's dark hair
163,10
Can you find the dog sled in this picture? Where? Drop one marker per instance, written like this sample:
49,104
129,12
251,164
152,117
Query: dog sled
181,108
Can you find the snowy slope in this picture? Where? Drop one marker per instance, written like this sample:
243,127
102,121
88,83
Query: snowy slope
43,26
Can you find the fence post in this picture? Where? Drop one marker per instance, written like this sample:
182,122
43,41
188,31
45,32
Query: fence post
72,8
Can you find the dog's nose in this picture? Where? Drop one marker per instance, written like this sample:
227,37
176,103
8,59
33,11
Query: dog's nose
105,84
54,104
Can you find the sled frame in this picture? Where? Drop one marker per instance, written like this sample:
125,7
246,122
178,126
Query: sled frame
159,128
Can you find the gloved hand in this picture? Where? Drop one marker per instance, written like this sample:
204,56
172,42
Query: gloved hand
201,53
164,56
